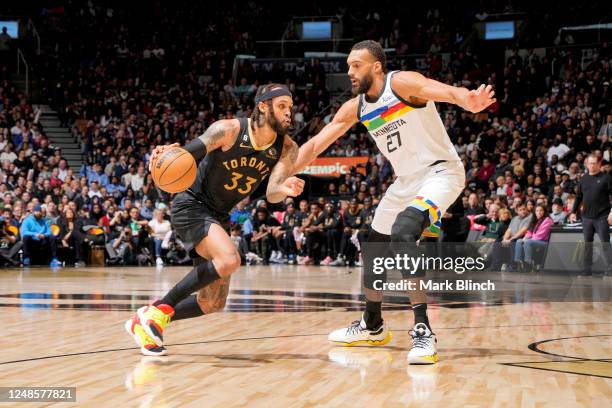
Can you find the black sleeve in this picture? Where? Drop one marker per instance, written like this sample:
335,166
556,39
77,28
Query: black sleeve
481,219
272,222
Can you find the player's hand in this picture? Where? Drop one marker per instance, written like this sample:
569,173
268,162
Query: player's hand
610,219
158,151
479,99
572,218
293,186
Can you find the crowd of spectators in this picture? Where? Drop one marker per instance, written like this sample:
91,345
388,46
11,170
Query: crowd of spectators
128,88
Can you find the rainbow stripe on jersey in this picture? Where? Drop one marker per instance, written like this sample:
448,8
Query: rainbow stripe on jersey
383,115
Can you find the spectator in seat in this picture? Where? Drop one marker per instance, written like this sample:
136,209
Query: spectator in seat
10,244
286,235
147,210
332,228
139,230
536,236
497,255
159,228
315,237
240,242
121,250
351,221
367,217
70,238
474,207
493,224
36,236
516,230
262,237
558,215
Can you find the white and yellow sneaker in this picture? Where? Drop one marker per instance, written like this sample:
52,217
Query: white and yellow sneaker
148,347
423,349
358,334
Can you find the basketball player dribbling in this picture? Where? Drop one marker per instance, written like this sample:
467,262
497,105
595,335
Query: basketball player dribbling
399,112
235,156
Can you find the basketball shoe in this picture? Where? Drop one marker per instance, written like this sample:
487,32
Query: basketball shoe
358,333
423,349
142,339
154,320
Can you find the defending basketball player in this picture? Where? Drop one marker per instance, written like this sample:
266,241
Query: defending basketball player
235,156
399,112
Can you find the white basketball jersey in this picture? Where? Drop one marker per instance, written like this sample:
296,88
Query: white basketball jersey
411,137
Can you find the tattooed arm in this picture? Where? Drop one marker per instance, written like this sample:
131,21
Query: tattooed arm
220,134
281,184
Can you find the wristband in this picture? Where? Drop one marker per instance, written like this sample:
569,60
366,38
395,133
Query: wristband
197,148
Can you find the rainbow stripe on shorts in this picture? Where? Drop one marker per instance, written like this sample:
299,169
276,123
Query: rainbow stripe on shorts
435,217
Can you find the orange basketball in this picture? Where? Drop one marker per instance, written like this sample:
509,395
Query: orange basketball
174,170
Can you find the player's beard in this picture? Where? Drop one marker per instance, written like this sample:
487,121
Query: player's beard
275,124
364,85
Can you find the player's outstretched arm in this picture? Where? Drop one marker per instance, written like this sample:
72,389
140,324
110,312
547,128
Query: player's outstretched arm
412,84
220,133
344,119
280,184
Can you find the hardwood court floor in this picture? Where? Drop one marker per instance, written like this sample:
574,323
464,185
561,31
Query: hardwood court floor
270,349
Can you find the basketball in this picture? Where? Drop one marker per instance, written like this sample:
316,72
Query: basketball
174,170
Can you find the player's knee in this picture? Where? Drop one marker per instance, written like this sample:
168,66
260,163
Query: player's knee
227,263
409,225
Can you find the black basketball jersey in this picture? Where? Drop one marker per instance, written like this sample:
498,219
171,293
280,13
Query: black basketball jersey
225,178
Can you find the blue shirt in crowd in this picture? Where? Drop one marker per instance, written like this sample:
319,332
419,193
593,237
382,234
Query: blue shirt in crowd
32,226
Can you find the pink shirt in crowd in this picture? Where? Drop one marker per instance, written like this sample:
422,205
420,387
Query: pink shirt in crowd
541,231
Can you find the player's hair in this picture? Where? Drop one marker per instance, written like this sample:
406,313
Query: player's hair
257,116
375,49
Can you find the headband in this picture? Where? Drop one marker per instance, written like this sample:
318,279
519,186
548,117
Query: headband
280,91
